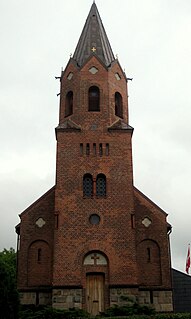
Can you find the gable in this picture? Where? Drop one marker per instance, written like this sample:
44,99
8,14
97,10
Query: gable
49,195
144,200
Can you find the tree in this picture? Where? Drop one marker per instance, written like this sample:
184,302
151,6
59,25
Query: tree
9,299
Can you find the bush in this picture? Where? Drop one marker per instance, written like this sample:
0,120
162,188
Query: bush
127,310
41,312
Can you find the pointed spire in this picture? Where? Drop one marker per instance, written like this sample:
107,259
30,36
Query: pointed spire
93,40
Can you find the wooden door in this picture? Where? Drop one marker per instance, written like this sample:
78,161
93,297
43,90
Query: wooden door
95,293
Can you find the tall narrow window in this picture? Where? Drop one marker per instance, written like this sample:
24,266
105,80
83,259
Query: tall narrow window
118,105
100,149
56,220
39,255
87,185
81,149
107,149
69,104
94,149
101,185
94,99
149,254
87,149
132,220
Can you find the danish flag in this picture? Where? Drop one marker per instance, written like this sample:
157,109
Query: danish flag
188,260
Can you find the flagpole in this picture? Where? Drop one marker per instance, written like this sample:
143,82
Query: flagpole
188,260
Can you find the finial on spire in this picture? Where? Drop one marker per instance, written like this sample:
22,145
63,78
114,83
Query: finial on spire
93,1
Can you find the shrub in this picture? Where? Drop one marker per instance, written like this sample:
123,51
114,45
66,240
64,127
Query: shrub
41,312
127,310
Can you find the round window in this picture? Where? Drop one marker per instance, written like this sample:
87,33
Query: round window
94,219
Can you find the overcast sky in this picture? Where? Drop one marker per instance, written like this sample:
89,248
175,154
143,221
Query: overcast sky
152,39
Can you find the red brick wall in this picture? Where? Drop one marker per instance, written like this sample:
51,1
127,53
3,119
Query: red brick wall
30,271
157,271
114,235
39,264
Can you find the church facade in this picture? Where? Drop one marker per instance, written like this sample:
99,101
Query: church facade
94,240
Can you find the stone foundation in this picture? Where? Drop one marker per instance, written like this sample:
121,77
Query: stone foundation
123,296
27,298
67,298
35,298
45,298
161,301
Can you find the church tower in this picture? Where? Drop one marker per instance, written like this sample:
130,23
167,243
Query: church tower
93,240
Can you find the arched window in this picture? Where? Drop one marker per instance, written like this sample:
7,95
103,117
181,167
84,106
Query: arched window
87,185
149,263
118,105
39,264
94,99
69,104
95,258
101,185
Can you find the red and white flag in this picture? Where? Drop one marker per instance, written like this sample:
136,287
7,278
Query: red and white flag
188,260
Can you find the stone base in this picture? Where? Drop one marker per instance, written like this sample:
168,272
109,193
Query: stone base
161,301
36,298
67,298
123,296
27,298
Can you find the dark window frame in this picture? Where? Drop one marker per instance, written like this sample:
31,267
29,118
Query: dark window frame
39,255
94,99
69,103
118,105
101,185
87,185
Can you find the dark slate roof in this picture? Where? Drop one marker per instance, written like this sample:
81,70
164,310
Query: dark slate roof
181,284
94,37
68,124
121,125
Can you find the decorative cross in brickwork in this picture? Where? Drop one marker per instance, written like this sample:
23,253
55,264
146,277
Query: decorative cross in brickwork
95,257
93,49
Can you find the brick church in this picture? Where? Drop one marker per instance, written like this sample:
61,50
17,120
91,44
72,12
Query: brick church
94,239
